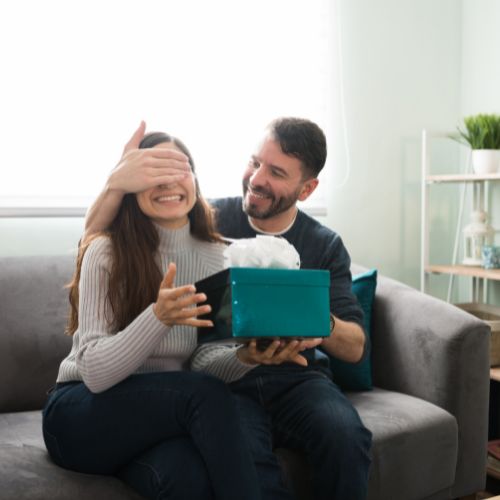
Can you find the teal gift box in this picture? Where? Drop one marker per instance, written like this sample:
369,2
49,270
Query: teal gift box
271,303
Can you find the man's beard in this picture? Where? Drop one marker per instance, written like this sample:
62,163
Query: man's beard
277,206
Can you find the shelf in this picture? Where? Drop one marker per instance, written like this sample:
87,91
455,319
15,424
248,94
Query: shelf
493,473
462,178
461,270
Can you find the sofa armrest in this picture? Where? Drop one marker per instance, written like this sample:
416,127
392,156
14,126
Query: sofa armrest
433,350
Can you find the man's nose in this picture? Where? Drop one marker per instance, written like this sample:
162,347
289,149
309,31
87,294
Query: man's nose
259,177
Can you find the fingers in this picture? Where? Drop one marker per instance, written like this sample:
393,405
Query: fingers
171,154
300,360
179,315
165,179
169,278
136,138
180,305
310,343
266,355
183,297
289,352
279,351
141,169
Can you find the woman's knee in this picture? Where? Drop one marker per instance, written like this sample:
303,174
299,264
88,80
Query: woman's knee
172,470
212,391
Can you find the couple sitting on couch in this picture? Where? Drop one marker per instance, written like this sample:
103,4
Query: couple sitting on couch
124,404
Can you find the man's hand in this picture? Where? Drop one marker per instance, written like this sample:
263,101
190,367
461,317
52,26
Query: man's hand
278,352
177,305
141,169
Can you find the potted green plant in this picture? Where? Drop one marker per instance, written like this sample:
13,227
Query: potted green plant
482,134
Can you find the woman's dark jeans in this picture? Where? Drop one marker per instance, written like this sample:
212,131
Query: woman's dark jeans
169,435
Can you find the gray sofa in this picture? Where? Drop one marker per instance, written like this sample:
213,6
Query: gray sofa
428,412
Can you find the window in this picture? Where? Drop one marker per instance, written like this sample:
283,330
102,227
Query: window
77,78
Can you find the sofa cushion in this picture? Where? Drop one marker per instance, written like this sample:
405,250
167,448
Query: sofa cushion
34,308
26,471
358,376
409,435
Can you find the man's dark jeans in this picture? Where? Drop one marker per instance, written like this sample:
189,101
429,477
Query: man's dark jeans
172,435
305,411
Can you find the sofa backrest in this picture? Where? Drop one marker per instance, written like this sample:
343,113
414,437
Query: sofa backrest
33,311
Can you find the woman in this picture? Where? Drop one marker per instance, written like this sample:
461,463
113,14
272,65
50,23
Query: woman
122,404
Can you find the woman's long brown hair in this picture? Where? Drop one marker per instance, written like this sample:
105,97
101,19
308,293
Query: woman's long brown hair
135,277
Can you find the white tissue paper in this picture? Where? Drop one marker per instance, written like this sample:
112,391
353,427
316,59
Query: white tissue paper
262,251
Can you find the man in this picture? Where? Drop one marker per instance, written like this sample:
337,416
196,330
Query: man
285,392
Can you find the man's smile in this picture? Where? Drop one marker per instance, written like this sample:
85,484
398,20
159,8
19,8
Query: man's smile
260,195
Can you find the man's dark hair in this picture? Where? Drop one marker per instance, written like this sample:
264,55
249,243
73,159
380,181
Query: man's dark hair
302,139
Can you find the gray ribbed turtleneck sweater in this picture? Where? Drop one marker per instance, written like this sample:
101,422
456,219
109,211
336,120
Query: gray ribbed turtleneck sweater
102,359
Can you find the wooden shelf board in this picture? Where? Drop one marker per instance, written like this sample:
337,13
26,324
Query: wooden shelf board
495,373
477,272
493,473
462,178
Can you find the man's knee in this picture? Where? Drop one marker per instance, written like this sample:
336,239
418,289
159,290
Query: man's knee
333,424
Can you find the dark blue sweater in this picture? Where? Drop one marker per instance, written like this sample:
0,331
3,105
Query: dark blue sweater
318,247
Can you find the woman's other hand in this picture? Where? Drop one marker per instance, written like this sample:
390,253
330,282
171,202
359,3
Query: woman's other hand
178,305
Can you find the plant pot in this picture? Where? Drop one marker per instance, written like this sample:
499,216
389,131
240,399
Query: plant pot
485,161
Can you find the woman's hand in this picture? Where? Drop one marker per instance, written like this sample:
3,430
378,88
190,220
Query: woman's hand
177,305
280,351
141,169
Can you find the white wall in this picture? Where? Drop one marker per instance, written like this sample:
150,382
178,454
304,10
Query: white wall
407,65
39,236
480,75
401,74
480,72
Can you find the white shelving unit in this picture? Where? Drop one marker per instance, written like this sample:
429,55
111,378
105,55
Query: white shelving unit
480,201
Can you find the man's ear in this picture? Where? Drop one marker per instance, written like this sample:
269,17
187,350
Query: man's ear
307,189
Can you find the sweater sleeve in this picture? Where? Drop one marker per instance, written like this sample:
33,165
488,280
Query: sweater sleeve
105,358
343,302
220,361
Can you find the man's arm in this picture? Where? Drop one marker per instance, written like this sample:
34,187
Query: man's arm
137,170
346,341
102,212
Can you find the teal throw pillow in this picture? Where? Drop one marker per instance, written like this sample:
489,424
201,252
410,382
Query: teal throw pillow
358,376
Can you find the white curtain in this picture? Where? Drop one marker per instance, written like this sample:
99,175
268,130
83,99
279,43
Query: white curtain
77,78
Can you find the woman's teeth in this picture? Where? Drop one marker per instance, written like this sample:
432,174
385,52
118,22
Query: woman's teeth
176,197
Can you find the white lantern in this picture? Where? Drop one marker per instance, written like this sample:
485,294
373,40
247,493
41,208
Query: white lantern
476,234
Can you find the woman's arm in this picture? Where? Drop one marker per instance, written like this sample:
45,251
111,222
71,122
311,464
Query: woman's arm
104,357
